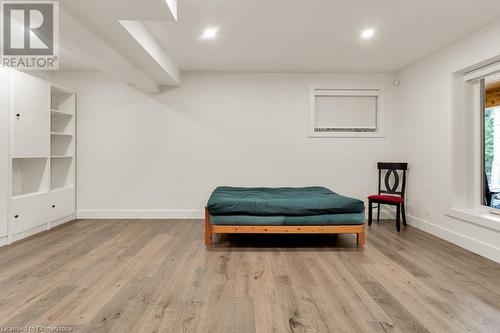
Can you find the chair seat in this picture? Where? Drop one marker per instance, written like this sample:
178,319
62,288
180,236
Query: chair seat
386,198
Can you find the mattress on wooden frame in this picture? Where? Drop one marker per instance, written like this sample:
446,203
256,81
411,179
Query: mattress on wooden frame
283,204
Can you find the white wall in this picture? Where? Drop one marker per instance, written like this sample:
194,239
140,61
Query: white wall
140,156
426,115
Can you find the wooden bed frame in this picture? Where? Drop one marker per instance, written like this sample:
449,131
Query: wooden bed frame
211,229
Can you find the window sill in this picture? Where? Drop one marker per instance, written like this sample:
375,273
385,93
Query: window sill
346,135
476,216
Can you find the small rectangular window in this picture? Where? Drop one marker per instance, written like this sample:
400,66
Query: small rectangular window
344,111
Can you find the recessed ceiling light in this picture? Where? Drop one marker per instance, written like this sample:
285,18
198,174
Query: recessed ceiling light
368,33
209,33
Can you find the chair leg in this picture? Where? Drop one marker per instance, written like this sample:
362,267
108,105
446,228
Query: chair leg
370,206
403,214
378,213
398,214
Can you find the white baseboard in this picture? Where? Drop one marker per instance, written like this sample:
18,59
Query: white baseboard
4,240
473,245
28,233
140,214
175,214
61,221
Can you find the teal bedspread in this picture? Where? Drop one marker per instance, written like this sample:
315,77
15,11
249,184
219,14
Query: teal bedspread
284,201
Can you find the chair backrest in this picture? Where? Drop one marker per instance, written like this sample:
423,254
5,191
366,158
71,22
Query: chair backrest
394,173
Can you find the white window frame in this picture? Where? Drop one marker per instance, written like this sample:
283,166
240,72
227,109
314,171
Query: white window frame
375,91
466,159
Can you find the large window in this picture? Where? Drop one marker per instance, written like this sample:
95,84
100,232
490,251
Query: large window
490,120
475,155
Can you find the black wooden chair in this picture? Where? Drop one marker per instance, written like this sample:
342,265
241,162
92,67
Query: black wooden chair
391,193
490,197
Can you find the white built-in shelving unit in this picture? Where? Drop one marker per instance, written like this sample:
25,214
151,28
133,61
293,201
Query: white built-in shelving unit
62,130
38,168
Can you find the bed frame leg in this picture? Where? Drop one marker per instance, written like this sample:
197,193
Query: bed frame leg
208,229
360,237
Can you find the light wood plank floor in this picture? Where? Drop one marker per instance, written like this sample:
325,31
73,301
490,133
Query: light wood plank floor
157,276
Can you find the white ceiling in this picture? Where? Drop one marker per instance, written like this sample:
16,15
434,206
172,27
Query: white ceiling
316,35
287,35
70,62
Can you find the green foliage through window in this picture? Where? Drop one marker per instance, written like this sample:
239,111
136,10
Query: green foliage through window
488,141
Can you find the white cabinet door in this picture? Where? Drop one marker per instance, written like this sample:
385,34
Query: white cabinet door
61,204
30,114
28,212
4,149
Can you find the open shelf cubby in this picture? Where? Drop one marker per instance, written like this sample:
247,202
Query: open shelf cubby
61,124
62,173
62,101
29,176
62,145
